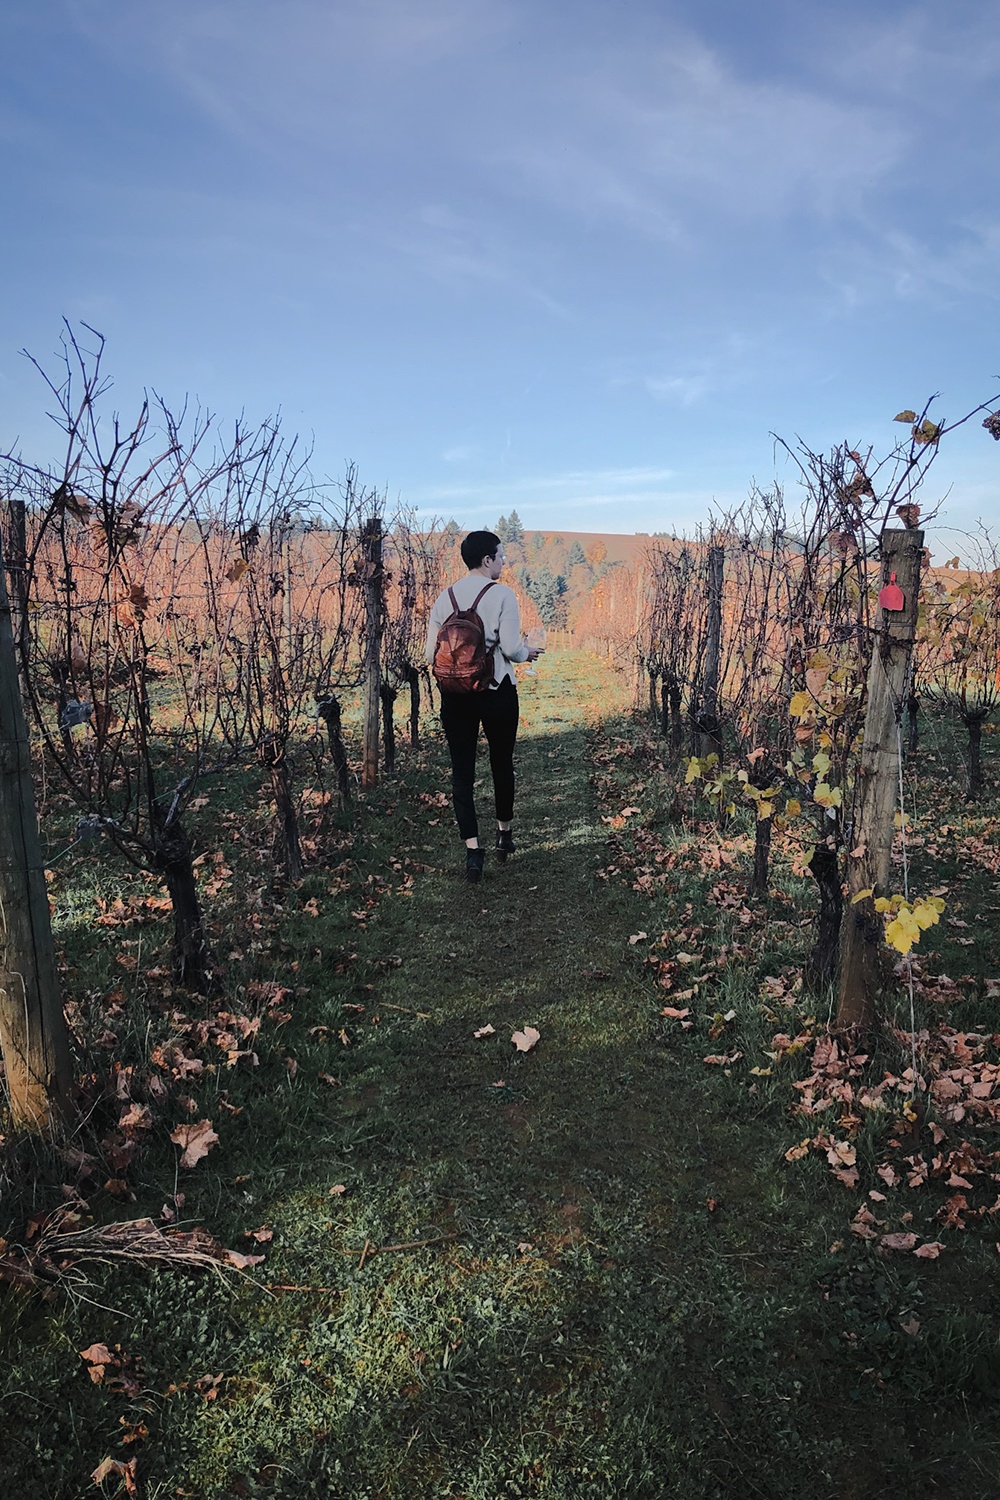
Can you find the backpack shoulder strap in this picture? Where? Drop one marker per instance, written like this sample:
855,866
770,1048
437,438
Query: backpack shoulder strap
475,604
454,601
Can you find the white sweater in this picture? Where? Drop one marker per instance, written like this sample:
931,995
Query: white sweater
500,616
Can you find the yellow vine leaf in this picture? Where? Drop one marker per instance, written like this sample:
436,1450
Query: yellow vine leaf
903,931
800,705
827,796
909,920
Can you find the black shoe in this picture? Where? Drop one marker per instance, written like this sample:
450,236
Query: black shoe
474,861
505,844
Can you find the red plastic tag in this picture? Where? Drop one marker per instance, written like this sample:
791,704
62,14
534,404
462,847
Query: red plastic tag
891,596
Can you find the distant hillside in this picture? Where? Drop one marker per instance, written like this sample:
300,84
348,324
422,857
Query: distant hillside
618,548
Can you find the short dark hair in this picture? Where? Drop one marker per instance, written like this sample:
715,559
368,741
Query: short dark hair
477,545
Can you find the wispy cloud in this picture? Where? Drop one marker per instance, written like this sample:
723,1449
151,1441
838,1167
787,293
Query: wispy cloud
329,75
960,261
572,487
684,390
462,252
658,136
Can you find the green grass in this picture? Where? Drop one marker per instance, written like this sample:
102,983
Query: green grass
630,1291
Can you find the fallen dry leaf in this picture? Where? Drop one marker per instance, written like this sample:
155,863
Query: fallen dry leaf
195,1141
638,937
486,1030
898,1241
337,1190
930,1251
125,1471
847,1175
136,1117
240,1261
526,1039
97,1354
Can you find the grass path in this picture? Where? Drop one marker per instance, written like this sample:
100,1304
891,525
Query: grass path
585,1271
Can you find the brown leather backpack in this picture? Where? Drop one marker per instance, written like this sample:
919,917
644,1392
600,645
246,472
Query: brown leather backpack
463,663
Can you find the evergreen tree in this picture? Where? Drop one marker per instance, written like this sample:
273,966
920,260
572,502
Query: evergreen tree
515,529
546,589
502,529
575,555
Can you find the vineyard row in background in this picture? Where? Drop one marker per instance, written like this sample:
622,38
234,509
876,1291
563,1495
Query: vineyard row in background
181,602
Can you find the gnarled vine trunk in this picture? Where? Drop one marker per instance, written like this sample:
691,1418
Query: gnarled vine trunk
413,680
329,711
821,964
276,759
974,730
174,861
388,696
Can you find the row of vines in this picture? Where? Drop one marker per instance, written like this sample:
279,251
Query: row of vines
184,604
786,664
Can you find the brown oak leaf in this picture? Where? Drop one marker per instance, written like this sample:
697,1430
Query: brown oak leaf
195,1140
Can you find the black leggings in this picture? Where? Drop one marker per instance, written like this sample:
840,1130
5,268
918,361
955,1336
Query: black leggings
461,716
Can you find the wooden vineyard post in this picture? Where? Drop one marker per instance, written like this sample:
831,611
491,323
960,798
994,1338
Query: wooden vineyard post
16,571
33,1033
877,796
372,673
710,730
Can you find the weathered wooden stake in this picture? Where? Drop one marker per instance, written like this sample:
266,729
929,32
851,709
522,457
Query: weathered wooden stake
372,672
17,571
877,795
710,730
33,1032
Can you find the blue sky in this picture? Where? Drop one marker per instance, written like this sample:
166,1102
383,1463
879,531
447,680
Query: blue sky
578,259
